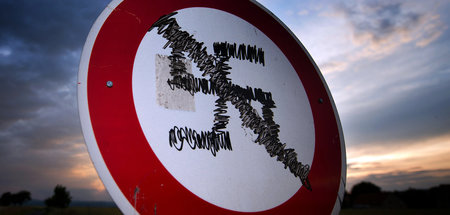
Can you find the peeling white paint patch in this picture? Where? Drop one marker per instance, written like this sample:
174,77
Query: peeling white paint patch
176,99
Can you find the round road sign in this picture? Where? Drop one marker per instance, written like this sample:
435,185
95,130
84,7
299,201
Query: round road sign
209,107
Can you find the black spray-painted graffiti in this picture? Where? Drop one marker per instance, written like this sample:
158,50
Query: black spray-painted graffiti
216,67
212,141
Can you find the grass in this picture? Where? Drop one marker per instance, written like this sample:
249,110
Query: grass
85,210
18,210
34,210
395,211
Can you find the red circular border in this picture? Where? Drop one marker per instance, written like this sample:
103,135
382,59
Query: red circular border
124,148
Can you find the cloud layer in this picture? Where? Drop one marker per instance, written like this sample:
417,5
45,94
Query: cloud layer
389,74
41,144
380,27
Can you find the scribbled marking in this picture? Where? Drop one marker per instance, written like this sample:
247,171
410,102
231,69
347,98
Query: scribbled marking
220,85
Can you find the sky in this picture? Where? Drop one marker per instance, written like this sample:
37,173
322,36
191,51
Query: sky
386,64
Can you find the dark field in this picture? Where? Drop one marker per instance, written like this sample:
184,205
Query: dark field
33,210
395,211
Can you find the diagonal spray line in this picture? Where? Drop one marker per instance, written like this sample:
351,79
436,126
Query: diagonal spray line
216,67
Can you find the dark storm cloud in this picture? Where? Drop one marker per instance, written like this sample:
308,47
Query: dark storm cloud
48,26
417,114
379,20
45,39
41,43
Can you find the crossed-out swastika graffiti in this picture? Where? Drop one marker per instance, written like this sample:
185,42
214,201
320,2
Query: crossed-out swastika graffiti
217,68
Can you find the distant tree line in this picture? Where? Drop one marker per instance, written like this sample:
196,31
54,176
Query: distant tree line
369,195
19,198
61,198
362,195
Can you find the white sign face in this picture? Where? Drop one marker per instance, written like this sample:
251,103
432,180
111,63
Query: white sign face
240,174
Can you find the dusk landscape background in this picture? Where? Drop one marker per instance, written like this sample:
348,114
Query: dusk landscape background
386,64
